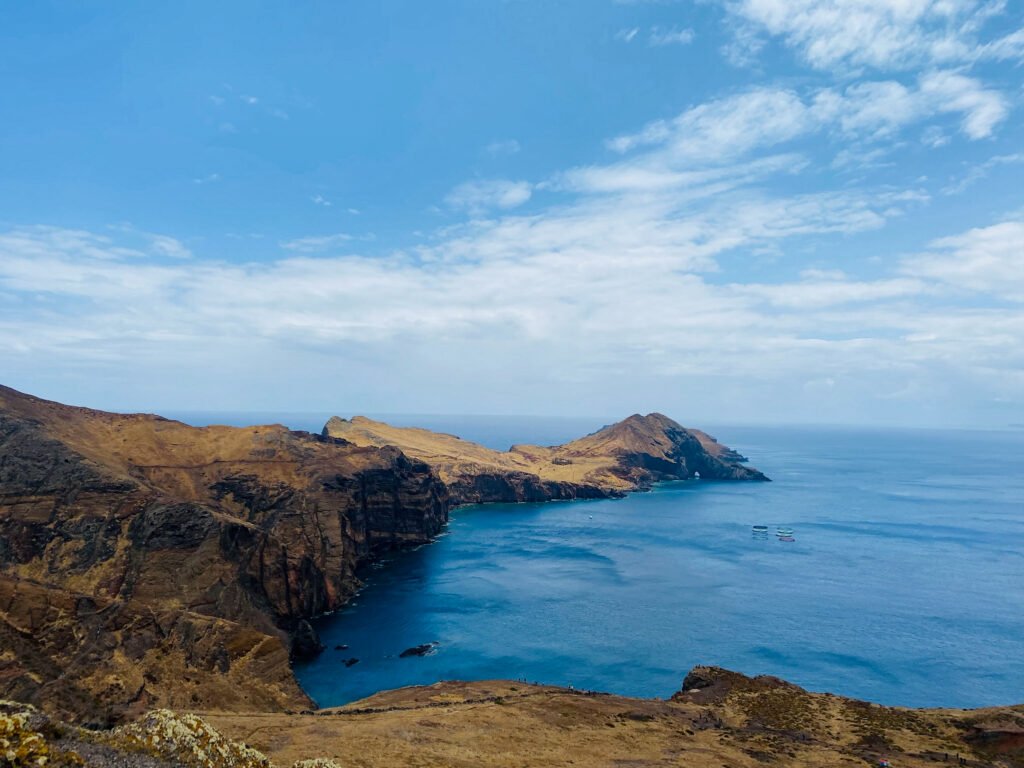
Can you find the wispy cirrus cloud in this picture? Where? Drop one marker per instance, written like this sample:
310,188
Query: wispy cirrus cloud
671,36
318,243
764,117
657,36
976,173
987,260
881,34
503,147
480,195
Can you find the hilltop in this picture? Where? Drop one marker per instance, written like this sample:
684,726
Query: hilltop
626,456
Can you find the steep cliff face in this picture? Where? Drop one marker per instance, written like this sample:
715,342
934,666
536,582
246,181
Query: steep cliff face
630,455
145,562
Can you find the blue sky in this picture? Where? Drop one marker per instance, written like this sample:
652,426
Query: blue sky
731,210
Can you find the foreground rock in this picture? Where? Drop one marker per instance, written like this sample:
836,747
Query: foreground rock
147,563
160,739
630,455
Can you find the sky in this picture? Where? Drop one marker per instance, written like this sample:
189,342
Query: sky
730,211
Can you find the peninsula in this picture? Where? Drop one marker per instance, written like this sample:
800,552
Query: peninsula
630,455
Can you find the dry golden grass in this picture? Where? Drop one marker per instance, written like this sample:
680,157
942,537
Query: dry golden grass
505,723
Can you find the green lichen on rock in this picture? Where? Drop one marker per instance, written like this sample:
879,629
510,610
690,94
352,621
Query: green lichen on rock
187,740
23,744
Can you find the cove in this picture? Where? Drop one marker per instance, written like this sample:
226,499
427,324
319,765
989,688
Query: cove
905,584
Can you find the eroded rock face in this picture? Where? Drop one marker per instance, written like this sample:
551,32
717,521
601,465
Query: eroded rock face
147,563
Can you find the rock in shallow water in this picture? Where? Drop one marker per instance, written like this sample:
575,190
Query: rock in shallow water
306,642
418,650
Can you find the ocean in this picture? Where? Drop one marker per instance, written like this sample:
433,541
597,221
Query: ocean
904,585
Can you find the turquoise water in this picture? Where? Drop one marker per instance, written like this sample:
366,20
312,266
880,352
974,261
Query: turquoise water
905,584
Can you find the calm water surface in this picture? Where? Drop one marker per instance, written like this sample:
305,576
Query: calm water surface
905,584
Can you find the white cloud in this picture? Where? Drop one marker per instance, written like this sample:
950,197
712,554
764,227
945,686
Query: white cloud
725,128
169,246
1009,47
982,108
504,147
978,172
574,293
728,128
210,178
816,292
611,283
883,34
480,195
661,37
628,34
987,260
317,243
319,199
934,137
629,277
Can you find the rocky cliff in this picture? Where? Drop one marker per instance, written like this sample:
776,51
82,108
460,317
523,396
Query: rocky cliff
144,562
627,456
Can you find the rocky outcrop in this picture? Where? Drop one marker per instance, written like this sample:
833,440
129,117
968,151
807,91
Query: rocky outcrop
144,562
630,455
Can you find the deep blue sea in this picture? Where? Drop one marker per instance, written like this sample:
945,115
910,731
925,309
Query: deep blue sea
905,584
